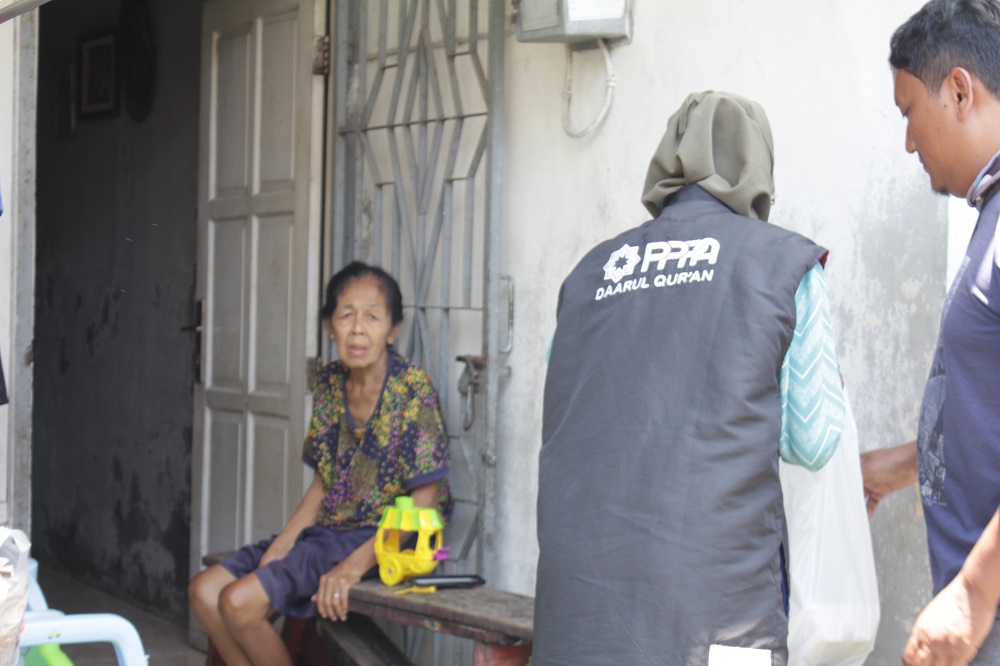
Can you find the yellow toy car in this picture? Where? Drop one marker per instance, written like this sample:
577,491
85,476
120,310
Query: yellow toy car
395,566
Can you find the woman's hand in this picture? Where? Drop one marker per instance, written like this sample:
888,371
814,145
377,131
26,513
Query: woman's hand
331,598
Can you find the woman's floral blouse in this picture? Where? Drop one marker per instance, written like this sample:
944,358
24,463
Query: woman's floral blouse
364,468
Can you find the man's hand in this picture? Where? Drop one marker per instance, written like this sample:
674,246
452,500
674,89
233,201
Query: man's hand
951,628
884,471
956,622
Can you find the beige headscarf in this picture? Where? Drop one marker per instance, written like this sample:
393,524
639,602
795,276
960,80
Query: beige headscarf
723,143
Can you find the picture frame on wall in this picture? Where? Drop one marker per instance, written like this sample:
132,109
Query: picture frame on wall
98,80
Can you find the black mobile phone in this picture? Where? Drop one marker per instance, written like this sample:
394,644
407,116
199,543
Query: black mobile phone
450,581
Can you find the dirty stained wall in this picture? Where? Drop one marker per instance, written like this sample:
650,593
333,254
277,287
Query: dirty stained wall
116,229
843,178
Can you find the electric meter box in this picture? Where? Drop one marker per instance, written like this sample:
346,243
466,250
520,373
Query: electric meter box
573,21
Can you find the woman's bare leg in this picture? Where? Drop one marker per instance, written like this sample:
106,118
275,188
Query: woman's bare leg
204,593
246,611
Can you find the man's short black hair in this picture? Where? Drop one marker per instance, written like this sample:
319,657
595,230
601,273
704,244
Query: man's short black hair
355,270
945,34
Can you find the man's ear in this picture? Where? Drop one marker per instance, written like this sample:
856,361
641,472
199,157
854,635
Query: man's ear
961,86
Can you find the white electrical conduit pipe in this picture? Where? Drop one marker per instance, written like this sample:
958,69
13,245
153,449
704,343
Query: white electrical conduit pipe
609,88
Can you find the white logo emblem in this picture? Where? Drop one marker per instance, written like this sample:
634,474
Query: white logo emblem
614,272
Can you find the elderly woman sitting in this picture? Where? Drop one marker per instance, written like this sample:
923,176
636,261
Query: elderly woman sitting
376,433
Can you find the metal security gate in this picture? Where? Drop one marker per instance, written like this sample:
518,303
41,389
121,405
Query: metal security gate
415,153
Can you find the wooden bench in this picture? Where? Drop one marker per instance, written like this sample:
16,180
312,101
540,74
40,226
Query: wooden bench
500,624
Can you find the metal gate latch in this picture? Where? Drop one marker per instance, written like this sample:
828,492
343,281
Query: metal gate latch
468,385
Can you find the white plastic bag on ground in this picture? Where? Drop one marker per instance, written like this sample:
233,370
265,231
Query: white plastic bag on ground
833,602
14,547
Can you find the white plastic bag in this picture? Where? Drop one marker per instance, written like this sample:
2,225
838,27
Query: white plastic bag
14,561
833,601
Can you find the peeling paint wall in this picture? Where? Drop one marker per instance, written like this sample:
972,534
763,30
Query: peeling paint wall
843,178
116,225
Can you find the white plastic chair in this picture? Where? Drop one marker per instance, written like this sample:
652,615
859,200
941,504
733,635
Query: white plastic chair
43,626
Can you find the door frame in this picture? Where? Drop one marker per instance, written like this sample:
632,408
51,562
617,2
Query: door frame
19,60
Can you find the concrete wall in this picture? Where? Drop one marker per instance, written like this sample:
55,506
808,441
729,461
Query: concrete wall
18,78
116,226
843,178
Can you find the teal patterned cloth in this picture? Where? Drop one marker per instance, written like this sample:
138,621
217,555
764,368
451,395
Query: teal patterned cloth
812,396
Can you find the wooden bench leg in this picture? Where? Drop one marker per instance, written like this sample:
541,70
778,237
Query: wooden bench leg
502,655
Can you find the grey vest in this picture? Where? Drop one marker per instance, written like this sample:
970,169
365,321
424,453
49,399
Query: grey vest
660,521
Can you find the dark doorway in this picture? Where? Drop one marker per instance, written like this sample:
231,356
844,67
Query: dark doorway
116,244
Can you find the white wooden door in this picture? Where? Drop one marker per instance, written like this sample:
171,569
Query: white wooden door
258,265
